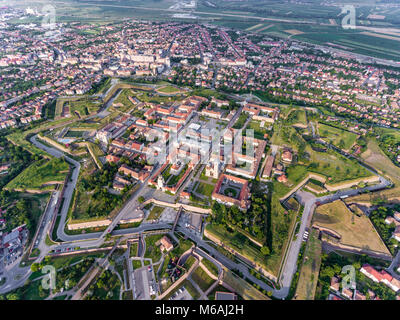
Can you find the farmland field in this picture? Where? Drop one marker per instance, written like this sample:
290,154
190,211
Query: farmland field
311,21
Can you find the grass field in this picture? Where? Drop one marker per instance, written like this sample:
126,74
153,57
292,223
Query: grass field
241,121
259,131
205,189
243,288
338,137
203,280
64,261
330,164
308,278
40,173
315,187
210,266
297,117
168,90
375,157
134,249
123,98
191,289
155,213
249,251
84,202
19,138
152,250
354,230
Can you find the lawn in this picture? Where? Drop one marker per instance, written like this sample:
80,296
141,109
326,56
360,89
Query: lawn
64,261
210,266
297,117
310,269
203,280
173,180
83,107
136,264
330,164
233,240
354,230
205,189
189,262
191,289
155,213
184,245
40,173
282,222
123,98
259,131
166,173
241,121
244,289
152,250
315,187
145,97
168,90
375,157
134,249
337,167
340,138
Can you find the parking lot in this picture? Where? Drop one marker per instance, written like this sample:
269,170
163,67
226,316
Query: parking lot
185,221
168,215
63,249
181,294
145,285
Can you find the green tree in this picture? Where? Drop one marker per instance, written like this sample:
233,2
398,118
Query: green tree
13,296
265,251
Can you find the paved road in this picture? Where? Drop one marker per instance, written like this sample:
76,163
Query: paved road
16,275
309,202
223,260
69,189
132,204
96,239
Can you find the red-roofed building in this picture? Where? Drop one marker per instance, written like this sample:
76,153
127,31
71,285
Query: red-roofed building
371,273
112,158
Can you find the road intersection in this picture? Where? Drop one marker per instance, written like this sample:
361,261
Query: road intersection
92,240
